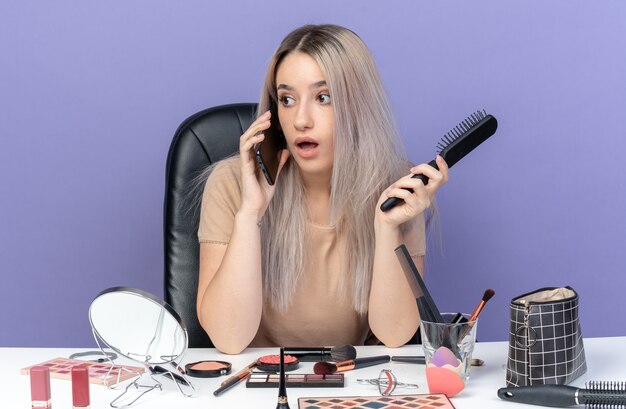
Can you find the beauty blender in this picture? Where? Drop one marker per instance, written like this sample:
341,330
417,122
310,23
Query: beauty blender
442,380
443,356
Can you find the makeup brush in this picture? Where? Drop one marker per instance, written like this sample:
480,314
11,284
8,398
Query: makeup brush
282,388
486,297
594,395
326,368
471,320
314,354
248,367
416,359
409,359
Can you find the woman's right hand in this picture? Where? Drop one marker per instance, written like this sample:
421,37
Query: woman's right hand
256,192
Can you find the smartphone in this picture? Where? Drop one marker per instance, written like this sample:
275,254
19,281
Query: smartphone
267,152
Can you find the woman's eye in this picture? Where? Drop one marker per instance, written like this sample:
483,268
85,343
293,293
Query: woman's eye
324,98
285,100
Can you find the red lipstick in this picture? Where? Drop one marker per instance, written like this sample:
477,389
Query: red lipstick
80,387
40,387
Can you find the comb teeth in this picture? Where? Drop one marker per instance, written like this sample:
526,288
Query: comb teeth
612,386
460,129
605,395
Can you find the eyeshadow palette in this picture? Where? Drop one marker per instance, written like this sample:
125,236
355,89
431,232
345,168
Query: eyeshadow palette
423,401
295,380
61,368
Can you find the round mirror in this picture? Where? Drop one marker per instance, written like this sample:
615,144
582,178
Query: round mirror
138,325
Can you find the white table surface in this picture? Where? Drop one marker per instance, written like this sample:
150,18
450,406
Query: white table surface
606,361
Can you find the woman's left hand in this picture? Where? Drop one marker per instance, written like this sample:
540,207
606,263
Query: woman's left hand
414,203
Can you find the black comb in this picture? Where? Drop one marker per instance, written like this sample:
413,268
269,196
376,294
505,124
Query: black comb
595,395
457,143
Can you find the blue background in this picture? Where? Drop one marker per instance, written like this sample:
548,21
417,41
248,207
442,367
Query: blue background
92,92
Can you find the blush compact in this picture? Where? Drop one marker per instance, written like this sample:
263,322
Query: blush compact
271,363
208,369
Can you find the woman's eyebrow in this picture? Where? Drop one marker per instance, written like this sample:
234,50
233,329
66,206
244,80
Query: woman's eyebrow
317,84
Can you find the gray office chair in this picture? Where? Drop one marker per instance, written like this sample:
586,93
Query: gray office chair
202,139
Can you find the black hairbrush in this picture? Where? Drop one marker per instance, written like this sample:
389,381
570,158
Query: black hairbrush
595,395
457,143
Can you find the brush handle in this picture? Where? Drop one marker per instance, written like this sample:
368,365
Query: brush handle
409,359
305,354
232,383
556,396
370,361
394,201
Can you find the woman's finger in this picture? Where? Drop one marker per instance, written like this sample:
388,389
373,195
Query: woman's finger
443,167
284,155
417,200
254,130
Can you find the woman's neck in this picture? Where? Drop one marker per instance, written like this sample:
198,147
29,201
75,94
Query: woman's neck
317,192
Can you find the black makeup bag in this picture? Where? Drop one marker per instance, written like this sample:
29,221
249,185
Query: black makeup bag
545,341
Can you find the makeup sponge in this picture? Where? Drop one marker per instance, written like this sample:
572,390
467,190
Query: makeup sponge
443,380
444,373
443,356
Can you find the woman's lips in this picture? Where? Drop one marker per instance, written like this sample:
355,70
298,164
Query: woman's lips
306,147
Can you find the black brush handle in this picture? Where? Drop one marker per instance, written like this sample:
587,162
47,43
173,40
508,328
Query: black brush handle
556,396
409,359
370,361
306,354
394,201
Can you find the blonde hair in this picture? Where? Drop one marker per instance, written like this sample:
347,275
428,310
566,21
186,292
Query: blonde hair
368,158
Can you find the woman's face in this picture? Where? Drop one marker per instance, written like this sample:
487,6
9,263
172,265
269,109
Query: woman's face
306,114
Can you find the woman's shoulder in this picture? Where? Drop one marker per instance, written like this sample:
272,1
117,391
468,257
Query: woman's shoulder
227,173
223,184
227,168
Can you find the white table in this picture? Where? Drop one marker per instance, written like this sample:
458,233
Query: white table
606,360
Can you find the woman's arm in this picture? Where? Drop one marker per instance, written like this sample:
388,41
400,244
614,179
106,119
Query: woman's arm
393,314
230,291
230,296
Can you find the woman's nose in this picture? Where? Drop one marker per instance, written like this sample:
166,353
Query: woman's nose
303,119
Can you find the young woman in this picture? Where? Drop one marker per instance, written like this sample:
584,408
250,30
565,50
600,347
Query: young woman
310,260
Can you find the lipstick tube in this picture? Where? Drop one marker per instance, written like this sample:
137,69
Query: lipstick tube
40,387
80,387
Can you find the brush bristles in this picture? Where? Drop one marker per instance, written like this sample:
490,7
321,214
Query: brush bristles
324,368
460,129
488,294
343,353
604,395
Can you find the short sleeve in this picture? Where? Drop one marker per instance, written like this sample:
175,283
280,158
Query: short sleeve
415,236
221,200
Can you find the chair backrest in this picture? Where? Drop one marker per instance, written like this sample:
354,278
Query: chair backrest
202,139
